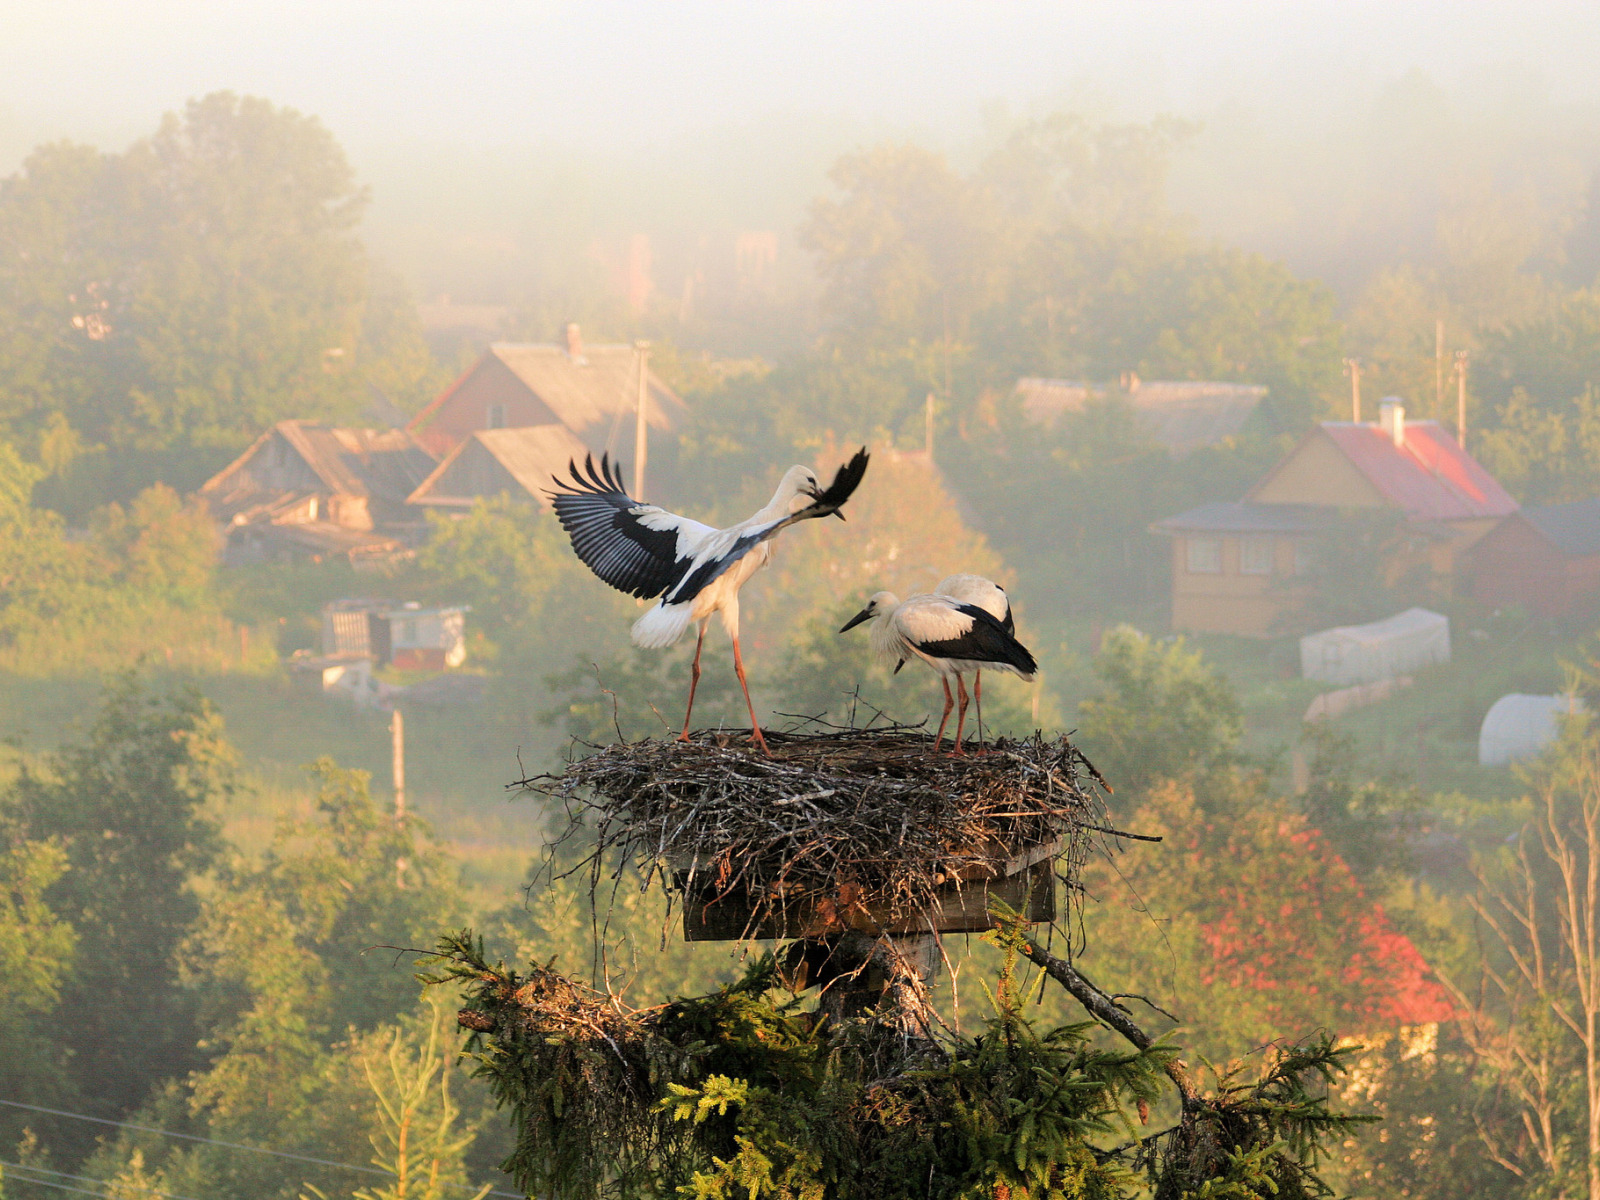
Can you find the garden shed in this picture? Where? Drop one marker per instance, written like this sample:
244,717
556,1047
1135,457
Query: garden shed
1397,645
1519,726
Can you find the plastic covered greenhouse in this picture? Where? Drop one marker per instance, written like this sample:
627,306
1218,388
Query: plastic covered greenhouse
1397,645
1519,726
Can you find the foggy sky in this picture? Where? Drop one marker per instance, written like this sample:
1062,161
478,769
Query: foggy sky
633,76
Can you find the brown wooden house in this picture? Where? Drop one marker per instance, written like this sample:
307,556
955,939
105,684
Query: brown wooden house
591,390
309,491
1245,567
1545,559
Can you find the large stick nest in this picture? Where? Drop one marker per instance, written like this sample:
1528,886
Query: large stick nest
873,815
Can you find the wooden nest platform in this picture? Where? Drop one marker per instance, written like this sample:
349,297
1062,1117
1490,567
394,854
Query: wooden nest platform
842,829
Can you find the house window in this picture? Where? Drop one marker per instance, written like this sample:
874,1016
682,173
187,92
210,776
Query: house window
1305,556
1204,555
1255,556
496,418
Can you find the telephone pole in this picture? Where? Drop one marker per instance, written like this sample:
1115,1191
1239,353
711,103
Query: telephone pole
397,768
1352,368
1438,367
927,427
1461,398
640,428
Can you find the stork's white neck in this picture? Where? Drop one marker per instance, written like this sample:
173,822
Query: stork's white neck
790,489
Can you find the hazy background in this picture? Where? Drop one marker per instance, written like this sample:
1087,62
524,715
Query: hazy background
488,132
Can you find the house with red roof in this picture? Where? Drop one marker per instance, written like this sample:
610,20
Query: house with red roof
1246,567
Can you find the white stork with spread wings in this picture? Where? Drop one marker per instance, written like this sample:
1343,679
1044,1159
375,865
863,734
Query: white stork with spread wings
695,570
950,637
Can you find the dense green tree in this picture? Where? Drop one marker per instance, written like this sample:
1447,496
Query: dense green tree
1163,714
36,955
160,306
130,807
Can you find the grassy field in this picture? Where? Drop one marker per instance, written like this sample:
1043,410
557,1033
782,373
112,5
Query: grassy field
458,761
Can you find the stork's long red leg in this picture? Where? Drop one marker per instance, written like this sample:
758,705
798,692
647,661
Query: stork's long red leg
977,695
949,703
961,717
755,726
694,682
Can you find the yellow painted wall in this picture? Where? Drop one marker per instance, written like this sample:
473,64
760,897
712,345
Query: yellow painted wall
1229,602
1317,472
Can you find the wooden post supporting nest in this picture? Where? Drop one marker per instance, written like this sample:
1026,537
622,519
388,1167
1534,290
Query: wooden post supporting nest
858,973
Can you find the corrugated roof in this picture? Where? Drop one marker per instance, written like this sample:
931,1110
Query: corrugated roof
533,456
1245,517
1181,414
1574,528
1430,477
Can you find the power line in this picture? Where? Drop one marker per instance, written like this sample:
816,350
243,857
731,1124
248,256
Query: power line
87,1179
62,1186
189,1137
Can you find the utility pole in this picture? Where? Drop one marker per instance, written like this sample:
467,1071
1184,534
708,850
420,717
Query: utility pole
397,763
397,768
640,428
927,427
1352,368
1461,398
1438,367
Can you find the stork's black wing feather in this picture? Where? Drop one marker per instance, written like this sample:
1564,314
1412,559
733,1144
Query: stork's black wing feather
608,535
986,642
845,481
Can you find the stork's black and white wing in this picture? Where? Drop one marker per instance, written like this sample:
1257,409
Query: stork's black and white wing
943,628
641,549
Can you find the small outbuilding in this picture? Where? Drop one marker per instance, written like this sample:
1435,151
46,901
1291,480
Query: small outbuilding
1397,645
407,635
1546,559
1519,726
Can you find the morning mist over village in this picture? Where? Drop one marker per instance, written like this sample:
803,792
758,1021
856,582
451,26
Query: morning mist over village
802,601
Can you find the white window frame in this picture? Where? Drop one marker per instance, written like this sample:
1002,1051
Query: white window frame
1196,561
1248,548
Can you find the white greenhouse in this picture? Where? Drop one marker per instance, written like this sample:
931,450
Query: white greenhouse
1519,726
1397,645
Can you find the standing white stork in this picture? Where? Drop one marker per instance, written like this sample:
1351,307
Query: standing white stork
989,596
696,570
951,637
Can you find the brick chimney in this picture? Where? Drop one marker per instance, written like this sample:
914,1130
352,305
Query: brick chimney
1392,418
575,343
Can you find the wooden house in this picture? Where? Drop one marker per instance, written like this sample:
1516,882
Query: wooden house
591,390
519,463
1246,567
309,491
1545,559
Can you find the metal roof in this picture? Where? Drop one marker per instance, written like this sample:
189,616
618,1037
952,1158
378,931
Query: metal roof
1430,476
1574,528
1244,517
